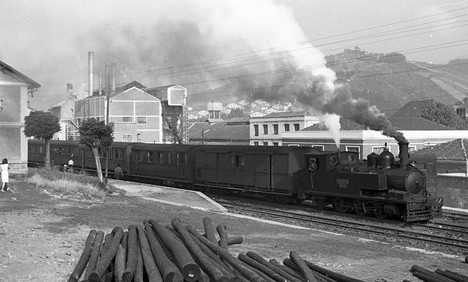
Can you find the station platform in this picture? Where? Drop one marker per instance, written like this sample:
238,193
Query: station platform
168,195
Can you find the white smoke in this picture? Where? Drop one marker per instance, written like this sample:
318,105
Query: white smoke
332,121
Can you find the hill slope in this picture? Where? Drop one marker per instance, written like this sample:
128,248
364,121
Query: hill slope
388,81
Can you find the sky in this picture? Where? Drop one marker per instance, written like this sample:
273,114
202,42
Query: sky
205,43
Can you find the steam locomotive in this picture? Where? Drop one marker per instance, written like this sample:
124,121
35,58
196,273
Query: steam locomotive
380,186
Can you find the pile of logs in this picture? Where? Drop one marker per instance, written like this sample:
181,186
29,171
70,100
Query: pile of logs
438,275
178,253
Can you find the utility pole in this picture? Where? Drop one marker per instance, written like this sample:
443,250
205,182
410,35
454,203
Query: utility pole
108,90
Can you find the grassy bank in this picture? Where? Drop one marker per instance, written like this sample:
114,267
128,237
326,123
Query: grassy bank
69,185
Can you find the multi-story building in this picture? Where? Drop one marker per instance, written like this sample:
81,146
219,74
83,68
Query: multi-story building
267,130
14,89
135,114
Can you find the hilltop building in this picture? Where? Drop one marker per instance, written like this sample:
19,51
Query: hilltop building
14,89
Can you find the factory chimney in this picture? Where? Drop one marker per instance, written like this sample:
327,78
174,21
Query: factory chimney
113,78
90,73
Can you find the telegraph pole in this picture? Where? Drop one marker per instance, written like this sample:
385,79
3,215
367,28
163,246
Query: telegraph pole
108,90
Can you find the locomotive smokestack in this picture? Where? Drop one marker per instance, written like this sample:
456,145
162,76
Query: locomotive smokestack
90,73
404,155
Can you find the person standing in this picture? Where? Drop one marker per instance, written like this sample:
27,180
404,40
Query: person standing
4,171
71,163
118,172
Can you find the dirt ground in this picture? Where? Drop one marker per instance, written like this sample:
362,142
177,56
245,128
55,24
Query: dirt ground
42,237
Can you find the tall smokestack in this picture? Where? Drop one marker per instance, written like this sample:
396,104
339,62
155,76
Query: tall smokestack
113,79
404,155
91,73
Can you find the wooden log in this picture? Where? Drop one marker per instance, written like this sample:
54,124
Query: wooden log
215,258
286,269
456,273
303,268
209,231
119,265
132,253
245,271
452,276
152,270
182,258
257,265
168,269
109,255
223,237
417,268
333,275
84,258
203,260
235,241
93,258
426,277
138,276
258,272
258,258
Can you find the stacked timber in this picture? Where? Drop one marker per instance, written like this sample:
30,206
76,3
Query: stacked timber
177,253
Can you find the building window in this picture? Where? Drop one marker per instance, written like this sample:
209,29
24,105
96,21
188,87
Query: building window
127,119
286,127
255,143
296,127
141,120
275,143
256,129
275,129
138,137
265,143
352,149
318,147
265,129
127,137
379,149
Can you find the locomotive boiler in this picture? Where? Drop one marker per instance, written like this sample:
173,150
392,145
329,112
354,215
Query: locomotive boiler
381,186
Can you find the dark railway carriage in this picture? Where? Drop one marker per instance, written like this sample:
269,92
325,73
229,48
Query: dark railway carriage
164,162
62,151
276,171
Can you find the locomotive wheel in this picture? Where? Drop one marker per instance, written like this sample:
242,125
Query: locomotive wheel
339,206
380,214
321,204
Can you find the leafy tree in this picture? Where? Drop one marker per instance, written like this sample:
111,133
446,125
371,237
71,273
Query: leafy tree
172,129
444,115
96,136
42,125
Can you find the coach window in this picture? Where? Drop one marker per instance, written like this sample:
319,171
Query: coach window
139,156
160,158
178,159
185,159
237,160
169,157
150,156
256,129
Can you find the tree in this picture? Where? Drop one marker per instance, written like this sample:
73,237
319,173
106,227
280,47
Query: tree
96,136
42,125
444,115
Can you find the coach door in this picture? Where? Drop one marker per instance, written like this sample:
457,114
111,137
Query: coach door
263,177
211,167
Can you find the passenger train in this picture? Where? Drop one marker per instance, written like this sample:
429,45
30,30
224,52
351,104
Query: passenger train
382,185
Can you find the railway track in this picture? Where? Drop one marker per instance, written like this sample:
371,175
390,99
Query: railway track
437,237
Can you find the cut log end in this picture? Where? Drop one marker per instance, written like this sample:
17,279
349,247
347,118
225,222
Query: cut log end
191,272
